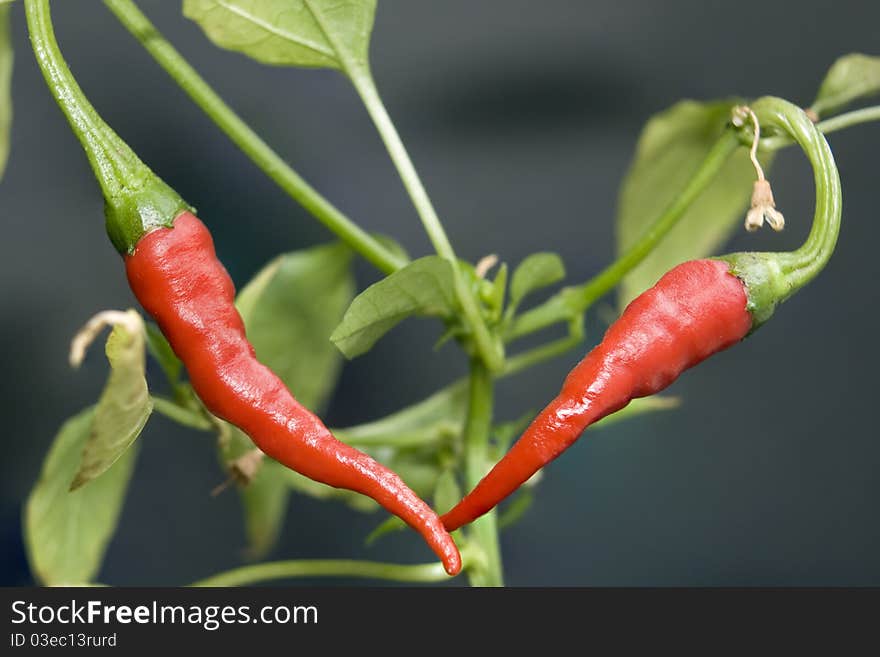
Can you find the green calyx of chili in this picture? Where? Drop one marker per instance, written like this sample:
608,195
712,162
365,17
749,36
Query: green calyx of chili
771,278
136,200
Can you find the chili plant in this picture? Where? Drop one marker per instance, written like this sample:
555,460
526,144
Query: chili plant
693,161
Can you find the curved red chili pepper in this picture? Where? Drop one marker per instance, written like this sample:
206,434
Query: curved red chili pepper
177,278
696,309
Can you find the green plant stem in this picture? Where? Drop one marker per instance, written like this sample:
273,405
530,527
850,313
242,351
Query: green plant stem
835,123
609,277
576,299
366,89
483,531
802,265
275,570
181,415
849,119
539,354
112,160
248,141
490,350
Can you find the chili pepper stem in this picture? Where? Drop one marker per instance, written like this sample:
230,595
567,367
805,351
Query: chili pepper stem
773,277
580,297
484,532
136,200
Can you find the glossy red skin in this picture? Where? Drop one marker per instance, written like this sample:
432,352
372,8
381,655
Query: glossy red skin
696,309
177,278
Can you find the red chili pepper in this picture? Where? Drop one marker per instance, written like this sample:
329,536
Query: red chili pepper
175,274
177,278
695,310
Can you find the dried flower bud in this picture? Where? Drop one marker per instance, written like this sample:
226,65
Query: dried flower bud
763,209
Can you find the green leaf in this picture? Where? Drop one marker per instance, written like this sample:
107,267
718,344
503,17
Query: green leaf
413,442
125,404
434,419
851,78
319,491
514,511
67,533
420,468
638,407
671,148
535,272
310,33
423,288
6,57
387,526
264,499
289,310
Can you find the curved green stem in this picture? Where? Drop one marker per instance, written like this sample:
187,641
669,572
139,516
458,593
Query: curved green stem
835,123
248,141
575,299
136,200
111,158
484,531
773,277
274,570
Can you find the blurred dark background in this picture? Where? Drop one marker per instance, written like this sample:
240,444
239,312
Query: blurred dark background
521,117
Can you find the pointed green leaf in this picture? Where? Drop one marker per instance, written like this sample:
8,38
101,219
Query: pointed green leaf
125,404
67,533
638,407
6,57
290,309
310,33
434,419
670,150
851,78
514,510
423,288
319,491
264,499
535,272
419,467
387,526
